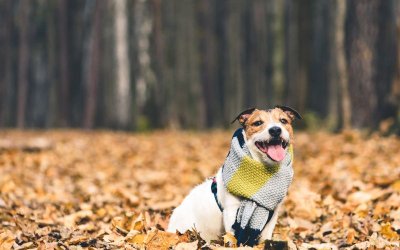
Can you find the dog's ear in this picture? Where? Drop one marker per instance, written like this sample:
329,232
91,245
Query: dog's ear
291,112
242,117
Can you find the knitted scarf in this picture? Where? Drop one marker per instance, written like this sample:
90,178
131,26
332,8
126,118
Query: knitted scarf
261,187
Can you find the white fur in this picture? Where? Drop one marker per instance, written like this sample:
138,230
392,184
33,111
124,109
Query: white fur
200,211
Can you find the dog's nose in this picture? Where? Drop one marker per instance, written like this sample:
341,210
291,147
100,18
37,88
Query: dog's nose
275,131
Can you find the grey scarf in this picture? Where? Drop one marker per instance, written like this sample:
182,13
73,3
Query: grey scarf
262,188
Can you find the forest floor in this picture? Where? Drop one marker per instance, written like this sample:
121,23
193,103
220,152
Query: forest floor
112,190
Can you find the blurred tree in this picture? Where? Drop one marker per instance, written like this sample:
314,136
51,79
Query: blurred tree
362,35
395,90
208,64
63,32
157,100
190,104
41,64
233,50
292,88
277,49
319,58
385,65
257,61
339,106
6,74
23,60
92,63
123,77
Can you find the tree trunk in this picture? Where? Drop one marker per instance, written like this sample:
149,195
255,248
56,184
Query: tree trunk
208,64
277,52
93,68
395,90
233,56
190,97
305,49
318,85
23,61
41,64
339,89
145,82
123,78
362,35
6,85
80,17
291,54
64,62
257,64
386,58
159,94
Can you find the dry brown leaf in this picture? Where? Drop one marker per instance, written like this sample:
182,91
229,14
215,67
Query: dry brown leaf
381,243
6,240
130,221
350,236
71,220
48,246
322,246
229,240
388,232
160,240
137,239
187,245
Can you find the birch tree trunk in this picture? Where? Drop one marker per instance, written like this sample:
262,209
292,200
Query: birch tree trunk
340,77
123,77
143,28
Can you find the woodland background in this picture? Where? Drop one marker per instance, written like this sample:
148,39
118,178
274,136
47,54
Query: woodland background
178,67
146,64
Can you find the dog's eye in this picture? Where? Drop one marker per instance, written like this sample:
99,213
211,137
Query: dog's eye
283,121
257,123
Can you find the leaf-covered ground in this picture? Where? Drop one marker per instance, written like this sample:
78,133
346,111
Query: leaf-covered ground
105,190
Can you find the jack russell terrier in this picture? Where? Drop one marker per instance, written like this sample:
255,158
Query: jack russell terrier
245,196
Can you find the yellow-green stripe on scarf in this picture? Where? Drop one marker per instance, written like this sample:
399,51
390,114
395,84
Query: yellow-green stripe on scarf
251,176
261,187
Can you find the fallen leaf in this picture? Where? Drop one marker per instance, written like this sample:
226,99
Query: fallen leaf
388,232
322,246
187,246
6,240
229,240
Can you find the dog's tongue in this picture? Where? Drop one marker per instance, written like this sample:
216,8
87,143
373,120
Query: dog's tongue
276,152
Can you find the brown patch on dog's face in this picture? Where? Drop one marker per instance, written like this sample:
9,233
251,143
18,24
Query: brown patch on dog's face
268,132
259,120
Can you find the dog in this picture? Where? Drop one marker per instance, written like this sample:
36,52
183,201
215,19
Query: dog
210,208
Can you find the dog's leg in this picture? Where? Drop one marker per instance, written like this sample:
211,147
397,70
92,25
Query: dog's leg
230,204
266,234
229,219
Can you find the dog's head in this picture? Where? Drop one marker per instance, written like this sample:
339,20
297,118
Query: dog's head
268,133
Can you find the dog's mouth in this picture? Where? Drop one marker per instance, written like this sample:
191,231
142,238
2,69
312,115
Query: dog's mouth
273,148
